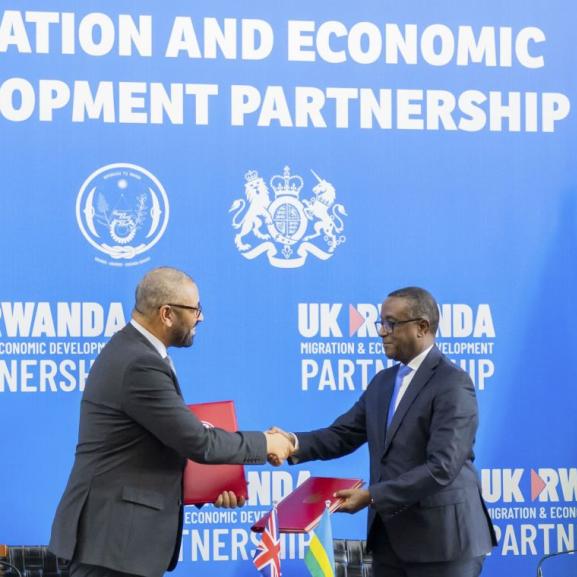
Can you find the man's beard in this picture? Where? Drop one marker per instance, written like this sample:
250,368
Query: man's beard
182,339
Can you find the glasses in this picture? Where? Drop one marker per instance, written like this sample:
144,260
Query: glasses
197,310
389,326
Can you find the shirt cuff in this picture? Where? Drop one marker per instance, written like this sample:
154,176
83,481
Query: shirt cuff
295,441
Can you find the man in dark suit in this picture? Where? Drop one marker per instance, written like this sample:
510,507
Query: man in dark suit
121,512
426,515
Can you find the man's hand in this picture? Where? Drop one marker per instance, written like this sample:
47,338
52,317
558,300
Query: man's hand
290,436
278,447
228,500
353,500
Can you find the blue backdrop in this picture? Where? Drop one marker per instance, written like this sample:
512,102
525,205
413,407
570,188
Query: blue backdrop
300,161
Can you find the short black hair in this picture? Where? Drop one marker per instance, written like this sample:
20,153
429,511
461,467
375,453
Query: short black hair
422,305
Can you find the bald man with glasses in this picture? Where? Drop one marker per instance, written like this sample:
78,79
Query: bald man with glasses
121,512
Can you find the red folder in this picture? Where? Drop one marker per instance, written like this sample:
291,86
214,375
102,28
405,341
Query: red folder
301,510
204,483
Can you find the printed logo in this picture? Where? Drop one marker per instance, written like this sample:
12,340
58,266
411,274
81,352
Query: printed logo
533,510
545,484
122,210
341,351
207,424
287,225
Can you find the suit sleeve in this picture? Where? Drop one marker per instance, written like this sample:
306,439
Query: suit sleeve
347,433
454,422
150,398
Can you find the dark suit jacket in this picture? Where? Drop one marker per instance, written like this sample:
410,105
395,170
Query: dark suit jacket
122,507
423,482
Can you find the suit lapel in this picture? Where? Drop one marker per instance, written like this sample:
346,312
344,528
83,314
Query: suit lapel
130,330
384,400
177,387
174,378
421,378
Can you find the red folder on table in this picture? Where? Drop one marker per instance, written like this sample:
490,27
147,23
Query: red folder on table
301,510
204,483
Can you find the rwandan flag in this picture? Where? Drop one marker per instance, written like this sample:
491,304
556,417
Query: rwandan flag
320,558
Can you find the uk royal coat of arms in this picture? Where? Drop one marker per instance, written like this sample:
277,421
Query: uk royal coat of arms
287,229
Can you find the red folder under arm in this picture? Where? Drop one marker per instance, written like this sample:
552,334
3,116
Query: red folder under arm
204,483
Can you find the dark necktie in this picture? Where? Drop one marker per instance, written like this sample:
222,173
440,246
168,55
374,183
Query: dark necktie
170,363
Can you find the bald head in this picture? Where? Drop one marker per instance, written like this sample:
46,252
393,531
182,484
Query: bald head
160,286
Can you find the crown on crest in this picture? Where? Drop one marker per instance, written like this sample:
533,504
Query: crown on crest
251,175
286,184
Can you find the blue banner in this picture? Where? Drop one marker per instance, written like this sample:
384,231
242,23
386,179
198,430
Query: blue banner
300,162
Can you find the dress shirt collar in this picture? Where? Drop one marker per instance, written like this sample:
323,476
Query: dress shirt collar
418,360
154,341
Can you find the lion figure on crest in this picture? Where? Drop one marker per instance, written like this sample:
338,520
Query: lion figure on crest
320,208
255,210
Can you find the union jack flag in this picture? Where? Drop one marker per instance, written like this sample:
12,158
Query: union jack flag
267,557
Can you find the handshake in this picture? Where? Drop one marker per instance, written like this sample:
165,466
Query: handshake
280,445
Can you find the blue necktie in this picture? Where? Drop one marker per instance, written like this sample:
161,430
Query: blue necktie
401,373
